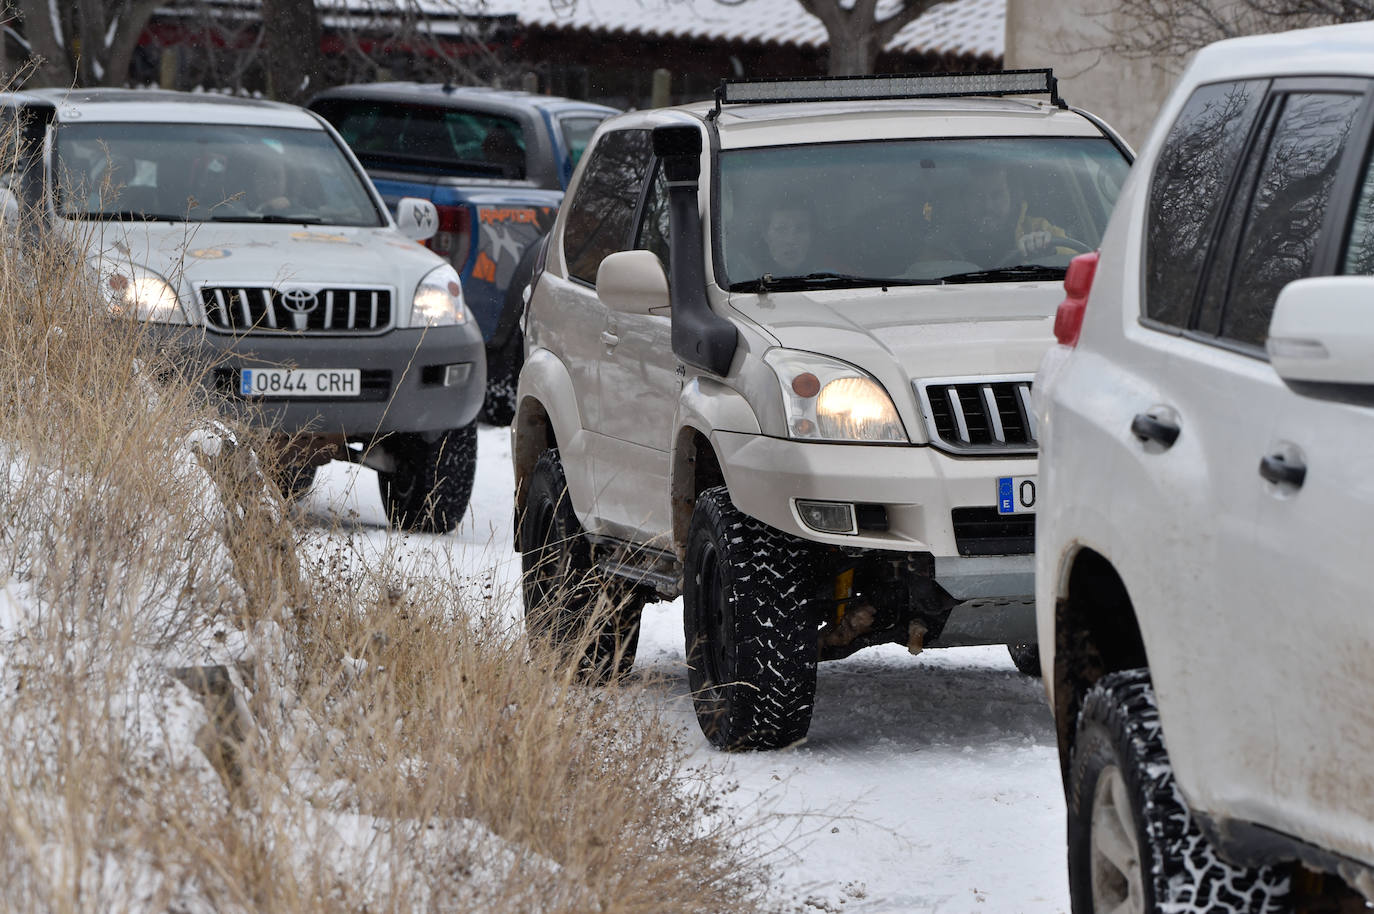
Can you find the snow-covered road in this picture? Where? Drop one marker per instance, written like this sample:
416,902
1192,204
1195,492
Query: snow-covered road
927,784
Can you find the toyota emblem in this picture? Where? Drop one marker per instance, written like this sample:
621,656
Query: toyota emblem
299,301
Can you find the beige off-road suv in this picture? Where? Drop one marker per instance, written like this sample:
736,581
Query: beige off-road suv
778,361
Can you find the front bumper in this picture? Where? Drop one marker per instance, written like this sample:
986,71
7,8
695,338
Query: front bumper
919,487
403,378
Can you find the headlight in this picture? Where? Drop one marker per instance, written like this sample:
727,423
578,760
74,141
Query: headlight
438,300
135,292
829,400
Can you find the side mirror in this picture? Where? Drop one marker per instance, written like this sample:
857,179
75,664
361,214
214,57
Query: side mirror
417,219
1321,337
632,282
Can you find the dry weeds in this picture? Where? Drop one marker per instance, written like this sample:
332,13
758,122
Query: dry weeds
194,718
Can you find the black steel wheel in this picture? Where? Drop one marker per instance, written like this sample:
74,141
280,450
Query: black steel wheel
750,627
581,613
1133,846
429,489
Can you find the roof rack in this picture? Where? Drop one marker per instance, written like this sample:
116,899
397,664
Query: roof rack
905,85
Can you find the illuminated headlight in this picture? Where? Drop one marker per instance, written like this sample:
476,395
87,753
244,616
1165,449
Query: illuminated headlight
438,300
139,293
829,400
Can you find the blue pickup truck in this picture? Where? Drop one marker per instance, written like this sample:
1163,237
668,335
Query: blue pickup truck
495,163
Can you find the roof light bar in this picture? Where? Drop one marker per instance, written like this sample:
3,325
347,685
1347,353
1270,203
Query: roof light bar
913,85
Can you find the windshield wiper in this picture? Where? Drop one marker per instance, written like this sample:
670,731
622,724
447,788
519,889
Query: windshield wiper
125,215
275,218
825,279
1001,274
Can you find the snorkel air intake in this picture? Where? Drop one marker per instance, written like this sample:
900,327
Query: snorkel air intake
701,337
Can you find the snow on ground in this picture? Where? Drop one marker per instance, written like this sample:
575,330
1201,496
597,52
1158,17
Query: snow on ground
927,784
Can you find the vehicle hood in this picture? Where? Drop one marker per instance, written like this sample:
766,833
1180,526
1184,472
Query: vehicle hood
186,254
920,331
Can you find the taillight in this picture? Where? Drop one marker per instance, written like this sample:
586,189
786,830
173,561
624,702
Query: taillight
1078,282
453,241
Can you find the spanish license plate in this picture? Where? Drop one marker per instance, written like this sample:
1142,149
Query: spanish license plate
1015,494
300,382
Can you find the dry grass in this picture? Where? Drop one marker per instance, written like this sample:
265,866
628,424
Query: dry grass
193,718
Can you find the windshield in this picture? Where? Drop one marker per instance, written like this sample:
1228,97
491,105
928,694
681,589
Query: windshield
207,173
913,211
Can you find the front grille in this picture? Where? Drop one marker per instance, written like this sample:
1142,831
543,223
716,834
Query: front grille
296,309
982,531
375,387
981,415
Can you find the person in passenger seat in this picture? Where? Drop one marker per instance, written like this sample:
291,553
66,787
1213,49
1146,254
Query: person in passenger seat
787,235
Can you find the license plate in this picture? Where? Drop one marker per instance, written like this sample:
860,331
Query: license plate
300,382
1015,494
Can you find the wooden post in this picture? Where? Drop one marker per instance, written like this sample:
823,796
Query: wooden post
168,67
662,90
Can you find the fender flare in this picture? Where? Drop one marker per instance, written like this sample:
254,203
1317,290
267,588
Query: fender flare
545,402
704,406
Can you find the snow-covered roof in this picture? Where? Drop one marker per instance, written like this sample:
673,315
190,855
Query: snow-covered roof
964,27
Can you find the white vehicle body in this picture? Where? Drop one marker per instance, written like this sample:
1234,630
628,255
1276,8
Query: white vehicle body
1177,532
941,345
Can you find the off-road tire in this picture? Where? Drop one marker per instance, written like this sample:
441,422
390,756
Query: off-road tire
750,627
429,490
587,617
1119,737
1026,657
503,373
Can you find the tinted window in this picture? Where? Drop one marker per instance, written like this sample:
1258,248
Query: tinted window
602,213
653,229
1285,216
1359,252
471,143
1188,193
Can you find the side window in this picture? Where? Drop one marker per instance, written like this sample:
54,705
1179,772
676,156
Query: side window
653,228
1188,193
577,133
602,213
1285,216
1359,251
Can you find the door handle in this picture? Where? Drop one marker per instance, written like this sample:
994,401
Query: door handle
1150,428
609,338
1279,470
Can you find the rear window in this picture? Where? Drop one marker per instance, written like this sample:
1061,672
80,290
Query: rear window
398,135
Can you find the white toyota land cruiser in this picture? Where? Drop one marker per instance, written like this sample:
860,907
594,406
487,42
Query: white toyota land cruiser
249,239
1204,538
779,354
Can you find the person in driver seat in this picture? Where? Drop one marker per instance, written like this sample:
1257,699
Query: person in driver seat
997,226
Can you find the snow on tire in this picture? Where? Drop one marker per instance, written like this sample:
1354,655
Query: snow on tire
750,627
1133,846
